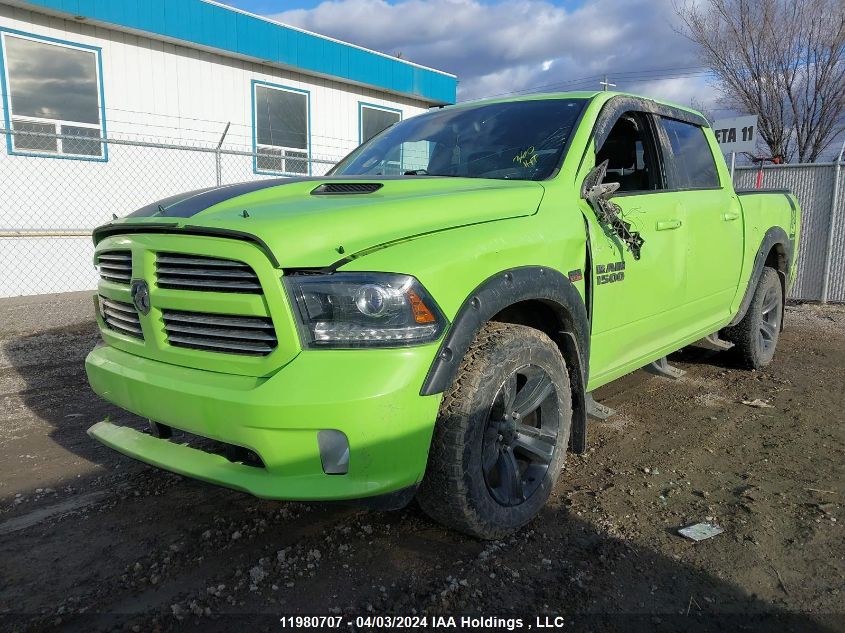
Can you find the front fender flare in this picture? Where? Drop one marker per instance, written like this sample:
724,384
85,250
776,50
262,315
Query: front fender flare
494,295
529,283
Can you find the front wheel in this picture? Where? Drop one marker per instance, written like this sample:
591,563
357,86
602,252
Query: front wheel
756,336
501,436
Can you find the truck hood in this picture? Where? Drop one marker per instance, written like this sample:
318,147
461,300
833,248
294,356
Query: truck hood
313,222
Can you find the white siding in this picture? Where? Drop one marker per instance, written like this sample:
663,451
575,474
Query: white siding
159,90
153,91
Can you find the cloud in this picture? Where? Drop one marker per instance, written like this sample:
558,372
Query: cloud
505,46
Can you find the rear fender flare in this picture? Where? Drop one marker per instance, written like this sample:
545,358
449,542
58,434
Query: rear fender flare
774,236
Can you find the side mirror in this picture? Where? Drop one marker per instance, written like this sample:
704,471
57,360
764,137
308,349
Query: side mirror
598,195
593,189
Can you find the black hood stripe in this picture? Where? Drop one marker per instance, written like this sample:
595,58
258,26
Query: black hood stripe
186,205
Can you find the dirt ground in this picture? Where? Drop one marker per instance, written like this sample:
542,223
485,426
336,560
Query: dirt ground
91,540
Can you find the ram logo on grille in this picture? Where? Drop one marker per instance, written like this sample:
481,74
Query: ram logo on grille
205,274
220,332
140,293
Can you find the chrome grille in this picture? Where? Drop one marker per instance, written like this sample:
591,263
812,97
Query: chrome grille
206,274
115,266
121,317
220,332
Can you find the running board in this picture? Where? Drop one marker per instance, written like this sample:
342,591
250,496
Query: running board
598,411
713,342
661,367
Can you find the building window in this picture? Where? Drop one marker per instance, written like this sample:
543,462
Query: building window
281,130
53,88
374,119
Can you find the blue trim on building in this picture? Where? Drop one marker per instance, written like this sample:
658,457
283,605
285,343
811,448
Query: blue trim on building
7,123
374,106
205,24
7,98
307,93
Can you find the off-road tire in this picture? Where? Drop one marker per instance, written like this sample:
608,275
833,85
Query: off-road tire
756,336
454,490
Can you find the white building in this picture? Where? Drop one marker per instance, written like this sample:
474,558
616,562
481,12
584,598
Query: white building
174,72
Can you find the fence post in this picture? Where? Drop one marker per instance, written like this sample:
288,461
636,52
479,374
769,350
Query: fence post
218,157
828,256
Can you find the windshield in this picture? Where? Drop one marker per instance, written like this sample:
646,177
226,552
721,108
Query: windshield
521,140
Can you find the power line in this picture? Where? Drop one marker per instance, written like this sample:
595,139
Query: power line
632,76
622,77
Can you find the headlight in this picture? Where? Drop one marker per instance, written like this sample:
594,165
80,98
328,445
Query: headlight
364,310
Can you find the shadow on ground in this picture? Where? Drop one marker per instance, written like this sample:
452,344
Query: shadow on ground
46,374
147,552
399,563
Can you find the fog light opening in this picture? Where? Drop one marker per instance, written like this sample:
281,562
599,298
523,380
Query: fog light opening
334,451
159,430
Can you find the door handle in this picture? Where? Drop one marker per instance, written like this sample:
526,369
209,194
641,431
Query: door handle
668,225
730,215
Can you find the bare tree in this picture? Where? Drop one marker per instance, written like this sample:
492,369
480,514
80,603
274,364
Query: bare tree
781,59
702,108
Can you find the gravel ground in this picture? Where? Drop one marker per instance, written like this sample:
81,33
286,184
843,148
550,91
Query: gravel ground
90,540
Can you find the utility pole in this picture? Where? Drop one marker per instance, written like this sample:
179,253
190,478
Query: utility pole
607,84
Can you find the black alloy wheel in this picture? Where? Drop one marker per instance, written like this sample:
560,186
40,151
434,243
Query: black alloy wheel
520,436
770,318
501,435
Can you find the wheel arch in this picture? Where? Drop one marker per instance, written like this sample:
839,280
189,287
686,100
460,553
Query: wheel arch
775,251
534,296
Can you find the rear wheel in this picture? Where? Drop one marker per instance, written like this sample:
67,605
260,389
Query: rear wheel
501,435
756,336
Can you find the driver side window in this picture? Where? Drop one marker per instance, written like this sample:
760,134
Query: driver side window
632,155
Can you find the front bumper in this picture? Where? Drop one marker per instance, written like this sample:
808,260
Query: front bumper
372,396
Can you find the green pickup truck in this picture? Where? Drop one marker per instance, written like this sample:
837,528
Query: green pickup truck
430,318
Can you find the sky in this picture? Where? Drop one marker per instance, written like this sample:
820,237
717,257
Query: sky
498,47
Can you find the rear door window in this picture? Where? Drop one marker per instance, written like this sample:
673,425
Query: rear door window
690,163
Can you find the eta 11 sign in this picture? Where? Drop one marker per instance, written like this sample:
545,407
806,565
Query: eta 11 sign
738,134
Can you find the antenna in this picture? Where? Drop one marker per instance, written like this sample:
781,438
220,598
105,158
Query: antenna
607,84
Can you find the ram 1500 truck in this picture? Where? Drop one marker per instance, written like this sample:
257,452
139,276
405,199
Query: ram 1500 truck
430,318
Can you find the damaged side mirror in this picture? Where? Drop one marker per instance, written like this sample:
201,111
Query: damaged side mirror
598,194
593,186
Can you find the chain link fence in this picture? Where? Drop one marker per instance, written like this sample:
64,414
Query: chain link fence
57,188
820,189
49,204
